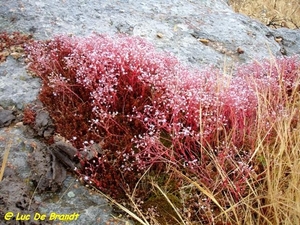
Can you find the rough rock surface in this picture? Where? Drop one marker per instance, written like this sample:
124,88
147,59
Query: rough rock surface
173,25
198,32
16,86
6,117
32,183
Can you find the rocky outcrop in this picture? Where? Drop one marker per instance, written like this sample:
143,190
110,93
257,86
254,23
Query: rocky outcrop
197,32
174,26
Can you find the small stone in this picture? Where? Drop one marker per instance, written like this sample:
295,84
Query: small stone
239,50
278,39
71,194
16,55
159,35
204,41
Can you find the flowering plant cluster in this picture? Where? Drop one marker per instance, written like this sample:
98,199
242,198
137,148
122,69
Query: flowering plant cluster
145,109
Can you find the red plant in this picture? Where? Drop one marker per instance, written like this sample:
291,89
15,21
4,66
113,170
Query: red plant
29,115
145,109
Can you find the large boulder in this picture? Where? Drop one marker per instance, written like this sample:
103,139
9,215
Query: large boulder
200,32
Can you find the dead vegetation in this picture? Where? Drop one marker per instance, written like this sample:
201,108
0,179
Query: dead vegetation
273,13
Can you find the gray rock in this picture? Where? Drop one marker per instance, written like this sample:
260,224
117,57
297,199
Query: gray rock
288,39
43,124
16,86
19,194
6,117
197,32
47,173
174,26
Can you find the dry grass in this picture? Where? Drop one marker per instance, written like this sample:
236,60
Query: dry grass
279,192
274,13
5,158
274,194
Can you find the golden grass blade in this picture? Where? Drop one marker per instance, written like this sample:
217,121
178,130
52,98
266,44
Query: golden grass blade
169,201
131,198
204,190
130,213
5,157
